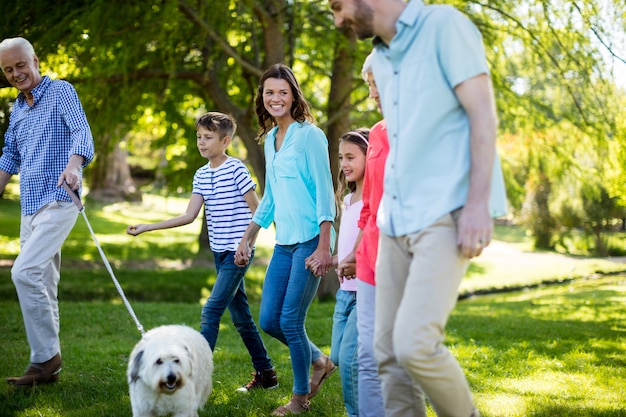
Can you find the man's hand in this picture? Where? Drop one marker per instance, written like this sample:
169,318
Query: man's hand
71,174
475,228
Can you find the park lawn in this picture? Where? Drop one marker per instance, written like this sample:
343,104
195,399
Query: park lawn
553,351
557,350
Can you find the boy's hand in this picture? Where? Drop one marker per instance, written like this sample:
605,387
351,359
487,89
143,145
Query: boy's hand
136,229
243,253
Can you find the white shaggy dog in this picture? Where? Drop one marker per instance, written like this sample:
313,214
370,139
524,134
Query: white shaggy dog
170,372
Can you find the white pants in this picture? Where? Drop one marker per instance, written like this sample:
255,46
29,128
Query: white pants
36,274
418,278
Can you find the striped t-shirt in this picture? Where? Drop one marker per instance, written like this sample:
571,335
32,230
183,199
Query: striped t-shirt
227,212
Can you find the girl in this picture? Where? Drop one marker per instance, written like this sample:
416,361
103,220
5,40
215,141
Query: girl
352,156
299,200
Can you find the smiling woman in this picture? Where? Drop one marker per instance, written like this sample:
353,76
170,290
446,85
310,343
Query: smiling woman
299,200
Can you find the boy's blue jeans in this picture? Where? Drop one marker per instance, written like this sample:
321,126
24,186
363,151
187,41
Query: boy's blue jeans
288,291
229,292
344,348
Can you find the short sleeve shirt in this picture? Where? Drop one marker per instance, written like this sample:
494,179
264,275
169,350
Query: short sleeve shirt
435,49
227,212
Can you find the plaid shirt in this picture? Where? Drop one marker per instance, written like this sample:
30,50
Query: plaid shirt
40,140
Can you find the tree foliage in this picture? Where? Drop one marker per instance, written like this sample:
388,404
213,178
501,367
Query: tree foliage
145,70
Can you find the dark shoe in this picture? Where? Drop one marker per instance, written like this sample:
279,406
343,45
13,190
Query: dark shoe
264,379
322,369
39,373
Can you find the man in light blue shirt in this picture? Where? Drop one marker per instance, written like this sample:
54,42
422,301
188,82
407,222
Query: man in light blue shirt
443,184
48,142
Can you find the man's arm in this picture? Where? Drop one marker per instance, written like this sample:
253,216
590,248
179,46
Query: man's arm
475,226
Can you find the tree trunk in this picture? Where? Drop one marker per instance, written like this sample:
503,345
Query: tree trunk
339,104
111,180
339,123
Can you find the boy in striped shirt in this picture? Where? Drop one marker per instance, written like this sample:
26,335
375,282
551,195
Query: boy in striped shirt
227,191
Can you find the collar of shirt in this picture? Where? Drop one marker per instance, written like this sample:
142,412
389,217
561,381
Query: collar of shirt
38,91
408,17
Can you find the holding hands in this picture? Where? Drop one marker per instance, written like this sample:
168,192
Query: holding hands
243,253
346,269
319,263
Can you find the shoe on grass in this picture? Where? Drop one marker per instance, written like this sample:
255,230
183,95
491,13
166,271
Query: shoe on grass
39,373
262,380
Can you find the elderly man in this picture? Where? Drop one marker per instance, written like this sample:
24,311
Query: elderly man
48,141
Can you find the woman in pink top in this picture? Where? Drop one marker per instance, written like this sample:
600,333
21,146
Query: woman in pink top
370,395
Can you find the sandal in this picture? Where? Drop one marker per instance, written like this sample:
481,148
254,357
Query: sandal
320,374
291,408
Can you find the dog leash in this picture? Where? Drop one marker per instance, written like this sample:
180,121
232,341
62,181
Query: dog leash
81,209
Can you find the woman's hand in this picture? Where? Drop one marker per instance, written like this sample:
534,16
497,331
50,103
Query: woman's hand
320,261
243,254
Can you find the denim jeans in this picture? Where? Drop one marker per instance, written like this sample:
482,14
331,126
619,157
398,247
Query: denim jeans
370,392
288,291
344,348
229,291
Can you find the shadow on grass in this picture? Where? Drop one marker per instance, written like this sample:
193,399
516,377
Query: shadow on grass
188,285
549,352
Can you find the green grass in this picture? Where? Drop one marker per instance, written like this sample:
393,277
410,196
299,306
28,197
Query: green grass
557,350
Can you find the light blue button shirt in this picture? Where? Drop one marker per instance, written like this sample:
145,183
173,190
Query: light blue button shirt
298,184
427,170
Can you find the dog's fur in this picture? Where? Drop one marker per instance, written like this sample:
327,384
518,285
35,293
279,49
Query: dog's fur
170,372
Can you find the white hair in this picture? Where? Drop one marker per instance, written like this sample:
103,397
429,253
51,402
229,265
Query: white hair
367,66
23,44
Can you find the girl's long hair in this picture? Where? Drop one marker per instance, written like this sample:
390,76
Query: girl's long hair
300,110
359,137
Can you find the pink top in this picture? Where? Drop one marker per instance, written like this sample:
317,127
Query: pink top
372,193
348,232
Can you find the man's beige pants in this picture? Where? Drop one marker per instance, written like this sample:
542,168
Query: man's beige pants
418,278
36,274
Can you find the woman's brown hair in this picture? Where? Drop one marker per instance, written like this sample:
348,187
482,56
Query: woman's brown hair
300,110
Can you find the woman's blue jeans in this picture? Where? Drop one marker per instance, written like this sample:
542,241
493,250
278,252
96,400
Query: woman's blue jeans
288,291
229,291
344,348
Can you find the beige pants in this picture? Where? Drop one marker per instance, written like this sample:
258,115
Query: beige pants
418,278
36,274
